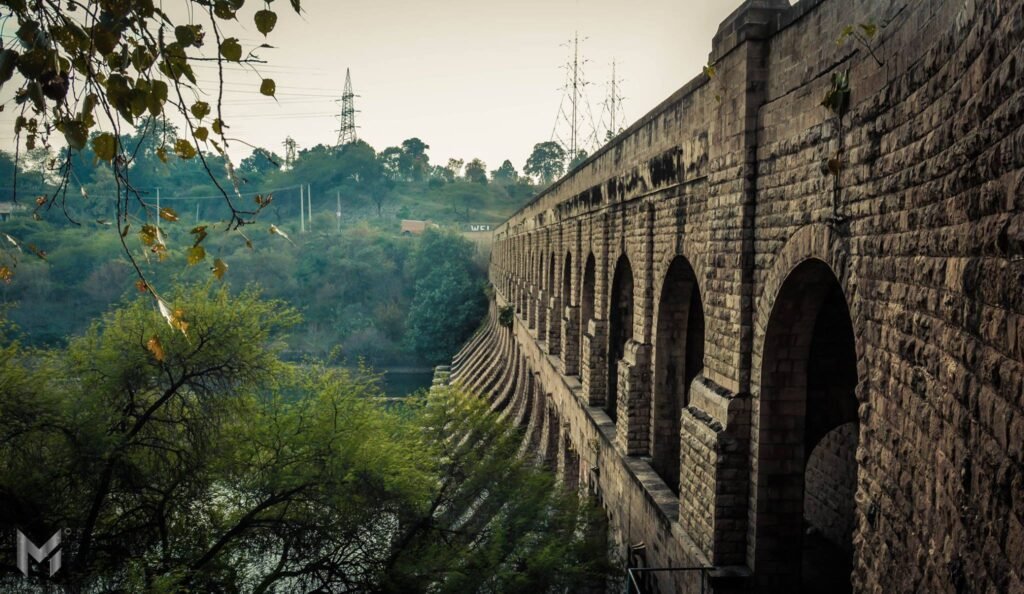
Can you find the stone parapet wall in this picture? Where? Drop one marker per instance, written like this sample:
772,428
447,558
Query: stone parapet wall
917,246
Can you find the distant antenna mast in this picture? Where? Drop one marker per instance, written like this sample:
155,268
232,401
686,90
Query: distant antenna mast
347,130
613,105
289,153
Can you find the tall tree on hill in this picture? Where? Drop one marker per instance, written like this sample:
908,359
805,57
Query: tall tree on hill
414,163
506,174
260,163
391,162
476,172
546,162
455,166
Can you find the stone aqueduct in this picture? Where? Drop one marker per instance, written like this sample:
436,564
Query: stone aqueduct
805,381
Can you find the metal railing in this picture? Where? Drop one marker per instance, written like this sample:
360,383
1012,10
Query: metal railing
634,586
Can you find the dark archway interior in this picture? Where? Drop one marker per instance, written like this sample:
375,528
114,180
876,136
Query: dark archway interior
620,328
550,288
586,304
567,281
679,358
808,436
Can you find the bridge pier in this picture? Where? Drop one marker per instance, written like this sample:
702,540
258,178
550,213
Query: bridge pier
571,340
542,314
554,327
714,464
632,429
594,366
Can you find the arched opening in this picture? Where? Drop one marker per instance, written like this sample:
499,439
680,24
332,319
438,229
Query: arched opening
678,358
620,328
807,436
586,304
550,287
567,281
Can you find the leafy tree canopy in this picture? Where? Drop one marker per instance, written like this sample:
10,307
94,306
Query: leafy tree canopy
476,171
546,162
506,174
205,464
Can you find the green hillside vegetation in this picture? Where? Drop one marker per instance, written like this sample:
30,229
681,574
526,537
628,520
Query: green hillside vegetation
365,291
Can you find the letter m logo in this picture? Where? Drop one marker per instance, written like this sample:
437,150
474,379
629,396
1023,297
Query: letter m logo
26,549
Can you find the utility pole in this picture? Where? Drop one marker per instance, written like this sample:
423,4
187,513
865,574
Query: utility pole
309,204
337,213
302,209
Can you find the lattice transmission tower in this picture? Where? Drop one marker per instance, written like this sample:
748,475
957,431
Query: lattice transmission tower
574,127
289,153
347,129
613,119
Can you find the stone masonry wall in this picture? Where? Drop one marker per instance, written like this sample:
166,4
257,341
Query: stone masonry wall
922,231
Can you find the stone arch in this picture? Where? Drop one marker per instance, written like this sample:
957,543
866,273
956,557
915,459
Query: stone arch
806,426
620,327
678,359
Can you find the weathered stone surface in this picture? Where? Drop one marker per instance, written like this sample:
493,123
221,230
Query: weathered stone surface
862,360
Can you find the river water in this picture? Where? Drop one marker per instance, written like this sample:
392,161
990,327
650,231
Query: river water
402,381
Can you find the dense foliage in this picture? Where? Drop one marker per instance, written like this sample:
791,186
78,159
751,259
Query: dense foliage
373,293
194,459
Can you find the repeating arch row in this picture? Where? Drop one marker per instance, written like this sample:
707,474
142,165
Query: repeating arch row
804,398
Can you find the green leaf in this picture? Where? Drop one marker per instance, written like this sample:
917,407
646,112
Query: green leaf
202,133
184,149
185,35
154,346
268,87
219,268
231,50
105,146
846,32
168,214
200,109
35,93
218,126
870,29
224,10
75,133
200,233
148,235
265,21
8,61
297,6
196,254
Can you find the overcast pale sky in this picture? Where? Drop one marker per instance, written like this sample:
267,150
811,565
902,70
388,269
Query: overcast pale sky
470,78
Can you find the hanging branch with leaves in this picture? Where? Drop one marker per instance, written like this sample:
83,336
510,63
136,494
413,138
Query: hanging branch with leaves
90,69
